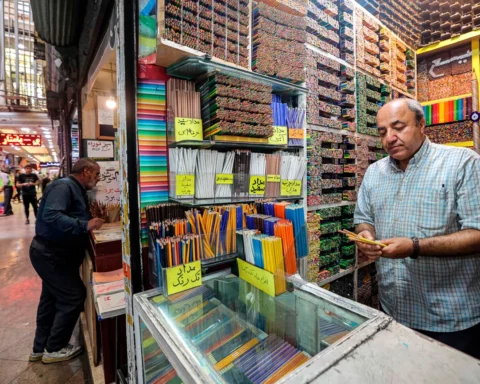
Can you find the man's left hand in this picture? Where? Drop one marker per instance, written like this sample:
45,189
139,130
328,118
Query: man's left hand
397,248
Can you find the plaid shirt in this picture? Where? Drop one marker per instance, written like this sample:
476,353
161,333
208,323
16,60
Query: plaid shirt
438,194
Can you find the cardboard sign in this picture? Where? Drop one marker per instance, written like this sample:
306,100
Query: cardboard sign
99,149
188,129
273,178
257,185
185,185
295,133
184,277
291,188
258,277
224,178
280,136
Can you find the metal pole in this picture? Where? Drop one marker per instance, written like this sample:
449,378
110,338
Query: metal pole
17,61
129,169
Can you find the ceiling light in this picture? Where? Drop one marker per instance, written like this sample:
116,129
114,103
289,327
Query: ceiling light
25,129
21,46
111,103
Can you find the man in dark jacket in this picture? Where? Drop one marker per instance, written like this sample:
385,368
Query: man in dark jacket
56,253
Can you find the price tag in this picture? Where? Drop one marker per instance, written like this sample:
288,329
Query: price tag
185,185
279,137
291,188
273,178
184,277
188,129
257,185
224,178
258,277
294,133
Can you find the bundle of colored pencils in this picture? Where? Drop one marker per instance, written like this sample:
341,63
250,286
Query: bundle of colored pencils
359,239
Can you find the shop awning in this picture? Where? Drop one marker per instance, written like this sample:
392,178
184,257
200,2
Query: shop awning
59,22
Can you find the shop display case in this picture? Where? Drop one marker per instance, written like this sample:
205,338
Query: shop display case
228,331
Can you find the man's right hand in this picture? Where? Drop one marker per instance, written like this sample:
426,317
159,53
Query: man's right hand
97,224
373,252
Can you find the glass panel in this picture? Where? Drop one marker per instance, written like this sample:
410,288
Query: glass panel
156,367
242,335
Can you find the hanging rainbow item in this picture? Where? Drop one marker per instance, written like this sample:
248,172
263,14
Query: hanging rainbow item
152,145
448,111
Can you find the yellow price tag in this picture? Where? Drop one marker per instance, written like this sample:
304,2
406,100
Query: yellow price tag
273,178
257,185
183,277
291,188
158,299
296,133
188,129
280,136
224,178
185,185
258,277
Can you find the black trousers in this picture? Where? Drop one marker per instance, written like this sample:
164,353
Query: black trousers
466,341
27,200
63,294
8,192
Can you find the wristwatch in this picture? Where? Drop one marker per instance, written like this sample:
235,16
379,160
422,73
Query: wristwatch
416,248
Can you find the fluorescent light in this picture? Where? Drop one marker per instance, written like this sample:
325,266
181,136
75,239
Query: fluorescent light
25,129
21,46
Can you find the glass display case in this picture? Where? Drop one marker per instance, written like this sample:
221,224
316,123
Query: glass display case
228,331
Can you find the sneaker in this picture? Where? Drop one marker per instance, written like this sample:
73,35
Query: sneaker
35,356
67,353
27,221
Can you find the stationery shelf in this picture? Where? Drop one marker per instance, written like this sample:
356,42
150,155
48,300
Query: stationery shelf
230,145
192,68
344,272
195,203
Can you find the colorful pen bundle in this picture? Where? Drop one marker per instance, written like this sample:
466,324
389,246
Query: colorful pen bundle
278,51
296,122
226,118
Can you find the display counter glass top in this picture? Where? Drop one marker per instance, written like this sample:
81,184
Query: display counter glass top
240,334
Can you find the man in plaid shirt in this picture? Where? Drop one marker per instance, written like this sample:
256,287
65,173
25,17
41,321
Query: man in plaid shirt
423,202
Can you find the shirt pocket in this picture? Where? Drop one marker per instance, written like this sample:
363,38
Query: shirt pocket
431,212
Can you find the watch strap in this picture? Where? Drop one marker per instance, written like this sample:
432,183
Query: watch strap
416,248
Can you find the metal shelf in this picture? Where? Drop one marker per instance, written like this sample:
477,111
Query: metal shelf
344,272
229,145
228,200
322,206
193,67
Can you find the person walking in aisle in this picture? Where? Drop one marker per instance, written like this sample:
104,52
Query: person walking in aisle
28,181
6,186
423,202
56,253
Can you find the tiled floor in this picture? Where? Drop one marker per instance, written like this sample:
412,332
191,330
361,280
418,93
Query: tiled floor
19,294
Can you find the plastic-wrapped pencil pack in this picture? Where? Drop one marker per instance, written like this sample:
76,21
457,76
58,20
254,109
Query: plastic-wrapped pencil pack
223,98
278,39
218,28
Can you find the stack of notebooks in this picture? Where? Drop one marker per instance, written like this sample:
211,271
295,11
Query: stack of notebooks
108,292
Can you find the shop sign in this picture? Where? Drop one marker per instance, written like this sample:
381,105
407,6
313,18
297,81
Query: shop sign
22,140
184,277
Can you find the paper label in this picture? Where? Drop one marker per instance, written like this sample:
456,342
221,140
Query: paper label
188,129
291,188
273,178
185,185
295,133
257,185
224,178
279,137
183,277
258,277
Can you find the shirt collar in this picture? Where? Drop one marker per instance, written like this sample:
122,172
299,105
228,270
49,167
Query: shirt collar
78,183
417,158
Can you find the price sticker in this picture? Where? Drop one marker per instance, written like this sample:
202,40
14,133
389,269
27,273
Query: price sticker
258,277
185,185
224,178
291,188
257,185
184,277
273,178
295,133
280,136
188,129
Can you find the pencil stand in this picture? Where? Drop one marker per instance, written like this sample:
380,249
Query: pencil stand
207,249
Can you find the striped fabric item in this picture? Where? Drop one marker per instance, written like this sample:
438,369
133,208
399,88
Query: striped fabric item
448,111
152,145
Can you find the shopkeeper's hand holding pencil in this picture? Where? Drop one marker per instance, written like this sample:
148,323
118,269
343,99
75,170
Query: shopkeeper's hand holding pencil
373,252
